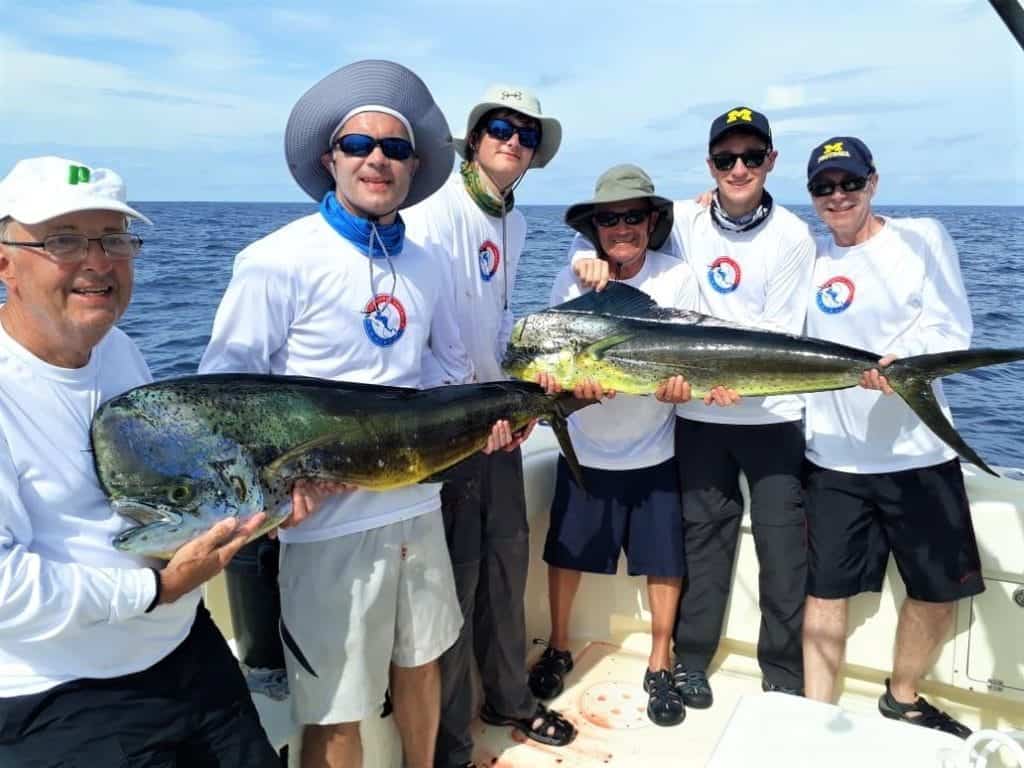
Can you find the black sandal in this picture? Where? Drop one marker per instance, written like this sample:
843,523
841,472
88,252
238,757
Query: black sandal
546,674
920,713
551,728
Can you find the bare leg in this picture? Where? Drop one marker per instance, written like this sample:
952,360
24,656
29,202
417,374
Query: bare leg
331,746
824,646
921,630
562,587
663,594
416,694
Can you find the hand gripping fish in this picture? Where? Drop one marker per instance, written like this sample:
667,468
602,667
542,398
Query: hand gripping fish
622,339
180,455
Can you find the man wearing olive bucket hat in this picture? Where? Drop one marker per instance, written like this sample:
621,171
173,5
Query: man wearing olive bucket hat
367,595
472,221
626,448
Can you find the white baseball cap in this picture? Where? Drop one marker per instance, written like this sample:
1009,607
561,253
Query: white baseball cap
42,188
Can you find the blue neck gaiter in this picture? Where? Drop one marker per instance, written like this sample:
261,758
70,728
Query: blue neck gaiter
359,231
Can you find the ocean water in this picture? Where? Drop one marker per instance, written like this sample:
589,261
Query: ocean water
187,257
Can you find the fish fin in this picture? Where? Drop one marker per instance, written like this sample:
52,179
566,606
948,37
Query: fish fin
598,348
278,465
155,540
622,300
565,404
918,394
616,299
291,645
911,377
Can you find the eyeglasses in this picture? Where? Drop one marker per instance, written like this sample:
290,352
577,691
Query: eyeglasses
72,249
502,130
611,218
752,158
826,188
361,145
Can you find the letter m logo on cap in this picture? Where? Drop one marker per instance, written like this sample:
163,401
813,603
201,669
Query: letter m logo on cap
833,149
739,114
78,174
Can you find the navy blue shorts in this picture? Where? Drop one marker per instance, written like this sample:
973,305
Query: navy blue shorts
636,510
921,516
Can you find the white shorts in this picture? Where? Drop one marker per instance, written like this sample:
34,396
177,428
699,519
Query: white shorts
353,605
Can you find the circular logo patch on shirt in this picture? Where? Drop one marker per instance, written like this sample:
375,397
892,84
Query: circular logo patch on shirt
835,295
724,274
489,257
385,319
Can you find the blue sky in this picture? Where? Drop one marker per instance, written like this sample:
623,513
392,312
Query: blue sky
189,100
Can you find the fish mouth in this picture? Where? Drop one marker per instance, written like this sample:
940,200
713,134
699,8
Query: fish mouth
145,514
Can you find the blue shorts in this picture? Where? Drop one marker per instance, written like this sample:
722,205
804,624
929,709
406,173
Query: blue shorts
636,510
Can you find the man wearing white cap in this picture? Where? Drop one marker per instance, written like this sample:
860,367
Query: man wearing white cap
367,596
104,660
472,223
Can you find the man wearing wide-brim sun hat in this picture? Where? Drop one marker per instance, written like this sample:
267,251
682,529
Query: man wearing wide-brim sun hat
366,584
474,224
626,448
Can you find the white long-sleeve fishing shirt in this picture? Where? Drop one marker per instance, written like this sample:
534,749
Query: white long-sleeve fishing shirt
631,431
451,225
759,279
303,301
71,606
900,293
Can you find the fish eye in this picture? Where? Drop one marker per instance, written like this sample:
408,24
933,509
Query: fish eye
180,494
238,485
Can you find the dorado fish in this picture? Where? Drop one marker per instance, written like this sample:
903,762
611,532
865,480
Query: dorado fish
622,339
180,455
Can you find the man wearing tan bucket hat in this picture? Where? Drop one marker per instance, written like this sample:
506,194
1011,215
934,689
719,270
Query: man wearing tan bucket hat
473,224
367,596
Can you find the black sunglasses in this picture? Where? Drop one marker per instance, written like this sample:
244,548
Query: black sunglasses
503,130
361,145
752,158
826,188
611,218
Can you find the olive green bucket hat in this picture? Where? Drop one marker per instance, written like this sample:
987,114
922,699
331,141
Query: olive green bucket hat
619,183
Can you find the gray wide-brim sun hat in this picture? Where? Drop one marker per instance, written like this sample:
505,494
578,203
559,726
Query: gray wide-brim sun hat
520,100
363,83
619,183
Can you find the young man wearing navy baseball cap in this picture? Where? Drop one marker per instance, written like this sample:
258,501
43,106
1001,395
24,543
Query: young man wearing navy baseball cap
753,259
879,480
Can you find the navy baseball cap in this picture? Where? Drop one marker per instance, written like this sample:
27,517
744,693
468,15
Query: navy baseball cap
740,117
841,153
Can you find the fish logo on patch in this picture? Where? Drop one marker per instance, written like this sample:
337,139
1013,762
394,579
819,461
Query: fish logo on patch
385,320
724,274
489,257
835,295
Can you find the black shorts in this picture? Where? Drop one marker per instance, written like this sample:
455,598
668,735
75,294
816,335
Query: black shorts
920,515
192,709
638,510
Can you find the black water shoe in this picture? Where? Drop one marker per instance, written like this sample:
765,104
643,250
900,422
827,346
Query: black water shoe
692,686
665,703
548,672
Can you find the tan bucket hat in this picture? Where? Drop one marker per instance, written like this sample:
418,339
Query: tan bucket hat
521,100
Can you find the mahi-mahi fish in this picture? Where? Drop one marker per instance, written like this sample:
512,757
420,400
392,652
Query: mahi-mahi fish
179,455
622,339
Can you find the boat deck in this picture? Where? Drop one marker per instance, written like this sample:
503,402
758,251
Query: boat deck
745,727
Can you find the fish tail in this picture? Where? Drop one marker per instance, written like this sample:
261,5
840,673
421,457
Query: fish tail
564,405
911,378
